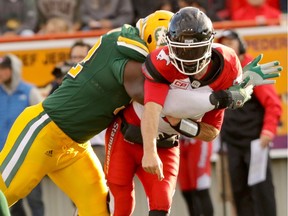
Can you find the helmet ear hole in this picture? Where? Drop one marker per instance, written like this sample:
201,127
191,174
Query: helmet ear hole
149,39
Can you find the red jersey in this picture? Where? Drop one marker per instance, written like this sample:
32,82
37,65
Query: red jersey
223,71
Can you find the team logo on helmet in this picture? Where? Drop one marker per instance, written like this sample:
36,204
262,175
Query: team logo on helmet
160,36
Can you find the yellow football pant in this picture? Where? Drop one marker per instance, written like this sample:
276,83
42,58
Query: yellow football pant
36,147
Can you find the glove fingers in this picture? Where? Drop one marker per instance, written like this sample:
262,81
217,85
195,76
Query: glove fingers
273,75
257,59
269,64
253,63
265,82
272,70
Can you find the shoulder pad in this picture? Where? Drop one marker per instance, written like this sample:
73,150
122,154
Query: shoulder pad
130,44
129,31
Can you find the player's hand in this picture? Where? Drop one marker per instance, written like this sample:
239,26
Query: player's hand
151,163
265,141
240,93
260,73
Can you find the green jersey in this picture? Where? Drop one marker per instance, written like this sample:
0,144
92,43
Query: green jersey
93,89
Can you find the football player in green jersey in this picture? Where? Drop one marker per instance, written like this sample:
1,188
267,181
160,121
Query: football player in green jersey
52,138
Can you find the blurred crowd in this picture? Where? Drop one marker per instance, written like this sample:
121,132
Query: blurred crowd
29,17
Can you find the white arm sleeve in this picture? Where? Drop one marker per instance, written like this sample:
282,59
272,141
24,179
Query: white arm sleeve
182,103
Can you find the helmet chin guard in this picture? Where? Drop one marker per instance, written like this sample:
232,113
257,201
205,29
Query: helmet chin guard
189,39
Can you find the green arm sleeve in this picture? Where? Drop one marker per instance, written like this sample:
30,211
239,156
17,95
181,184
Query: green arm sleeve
4,209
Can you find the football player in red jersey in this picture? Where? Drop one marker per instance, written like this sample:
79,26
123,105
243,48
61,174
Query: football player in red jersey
190,60
190,36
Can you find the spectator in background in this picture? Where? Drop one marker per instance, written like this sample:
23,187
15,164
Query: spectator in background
256,120
55,25
15,96
78,52
258,10
143,8
195,175
169,5
233,40
208,7
59,72
106,14
60,11
17,17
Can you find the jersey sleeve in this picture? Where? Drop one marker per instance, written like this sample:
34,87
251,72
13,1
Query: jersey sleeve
232,71
214,118
267,96
131,45
155,92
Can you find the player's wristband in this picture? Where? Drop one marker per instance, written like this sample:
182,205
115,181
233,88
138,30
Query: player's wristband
221,99
188,128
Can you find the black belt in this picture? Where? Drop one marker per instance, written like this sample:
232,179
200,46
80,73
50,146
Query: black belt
132,133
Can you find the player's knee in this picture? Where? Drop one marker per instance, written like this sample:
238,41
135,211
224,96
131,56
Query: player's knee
158,213
118,190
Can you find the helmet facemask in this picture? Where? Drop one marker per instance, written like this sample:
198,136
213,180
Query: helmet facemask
189,39
190,54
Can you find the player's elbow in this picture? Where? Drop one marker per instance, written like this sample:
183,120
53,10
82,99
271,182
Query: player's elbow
207,132
211,137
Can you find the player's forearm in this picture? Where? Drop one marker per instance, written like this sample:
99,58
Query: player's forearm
149,126
190,128
207,132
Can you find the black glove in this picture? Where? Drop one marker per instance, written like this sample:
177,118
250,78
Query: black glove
234,97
